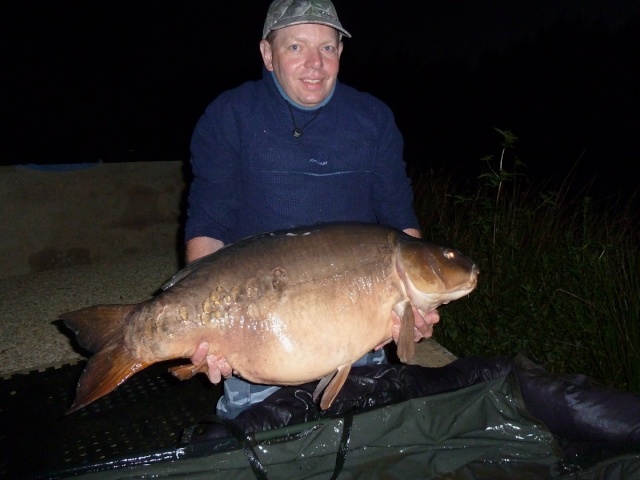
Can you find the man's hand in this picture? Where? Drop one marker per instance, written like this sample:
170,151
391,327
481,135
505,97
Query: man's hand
214,366
424,324
423,327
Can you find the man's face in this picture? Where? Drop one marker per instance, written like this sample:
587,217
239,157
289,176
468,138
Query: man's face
305,59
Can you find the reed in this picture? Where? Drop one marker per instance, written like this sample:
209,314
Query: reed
560,271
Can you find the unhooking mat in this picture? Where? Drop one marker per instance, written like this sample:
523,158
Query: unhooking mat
482,431
147,413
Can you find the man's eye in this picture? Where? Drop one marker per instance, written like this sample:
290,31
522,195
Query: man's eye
294,48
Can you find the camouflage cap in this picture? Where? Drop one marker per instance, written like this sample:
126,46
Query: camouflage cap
284,13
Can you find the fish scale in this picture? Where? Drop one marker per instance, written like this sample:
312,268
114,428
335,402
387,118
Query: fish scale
283,308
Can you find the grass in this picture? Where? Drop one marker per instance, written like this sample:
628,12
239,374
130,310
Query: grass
560,272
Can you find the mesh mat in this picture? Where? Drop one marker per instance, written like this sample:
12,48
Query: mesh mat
146,413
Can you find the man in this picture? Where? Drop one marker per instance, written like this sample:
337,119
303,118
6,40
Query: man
295,148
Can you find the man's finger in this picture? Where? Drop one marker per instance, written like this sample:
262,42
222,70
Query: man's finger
426,332
213,372
225,369
200,354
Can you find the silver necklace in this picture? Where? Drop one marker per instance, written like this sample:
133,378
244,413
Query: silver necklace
298,131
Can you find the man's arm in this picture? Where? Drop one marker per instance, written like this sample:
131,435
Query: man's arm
200,246
414,232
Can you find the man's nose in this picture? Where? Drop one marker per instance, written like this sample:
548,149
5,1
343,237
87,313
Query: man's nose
314,59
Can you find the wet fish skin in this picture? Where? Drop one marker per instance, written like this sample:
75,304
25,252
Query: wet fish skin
283,308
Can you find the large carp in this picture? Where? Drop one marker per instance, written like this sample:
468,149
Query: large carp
283,308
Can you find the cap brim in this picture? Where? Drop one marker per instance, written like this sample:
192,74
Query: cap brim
301,21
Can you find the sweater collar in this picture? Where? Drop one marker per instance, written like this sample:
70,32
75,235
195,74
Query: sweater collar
297,105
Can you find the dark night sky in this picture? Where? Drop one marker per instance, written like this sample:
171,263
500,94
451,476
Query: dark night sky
126,80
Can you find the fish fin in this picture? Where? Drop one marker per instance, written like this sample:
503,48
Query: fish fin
187,270
188,370
96,327
333,383
406,343
100,329
322,384
105,370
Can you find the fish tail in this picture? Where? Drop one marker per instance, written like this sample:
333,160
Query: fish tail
100,329
104,372
96,327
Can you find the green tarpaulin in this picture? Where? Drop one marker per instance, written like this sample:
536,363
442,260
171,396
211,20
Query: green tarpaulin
482,431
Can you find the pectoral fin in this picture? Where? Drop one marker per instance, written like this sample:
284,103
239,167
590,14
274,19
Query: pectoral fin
330,385
406,343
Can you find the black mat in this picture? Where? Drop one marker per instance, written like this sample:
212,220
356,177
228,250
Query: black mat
147,413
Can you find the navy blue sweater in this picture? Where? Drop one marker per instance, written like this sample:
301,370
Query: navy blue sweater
251,175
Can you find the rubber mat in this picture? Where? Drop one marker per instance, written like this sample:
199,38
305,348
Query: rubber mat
146,413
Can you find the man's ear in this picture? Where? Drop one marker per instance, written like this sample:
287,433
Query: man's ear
267,54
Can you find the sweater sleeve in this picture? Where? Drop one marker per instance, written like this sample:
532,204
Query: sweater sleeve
392,192
215,165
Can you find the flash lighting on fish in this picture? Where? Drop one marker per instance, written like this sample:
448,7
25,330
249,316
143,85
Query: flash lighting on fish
282,308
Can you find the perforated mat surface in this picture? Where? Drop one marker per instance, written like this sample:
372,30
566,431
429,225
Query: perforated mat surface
146,413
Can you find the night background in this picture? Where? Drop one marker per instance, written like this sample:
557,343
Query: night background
117,81
112,81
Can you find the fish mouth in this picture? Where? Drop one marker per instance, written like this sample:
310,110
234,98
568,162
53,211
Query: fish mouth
451,296
431,301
